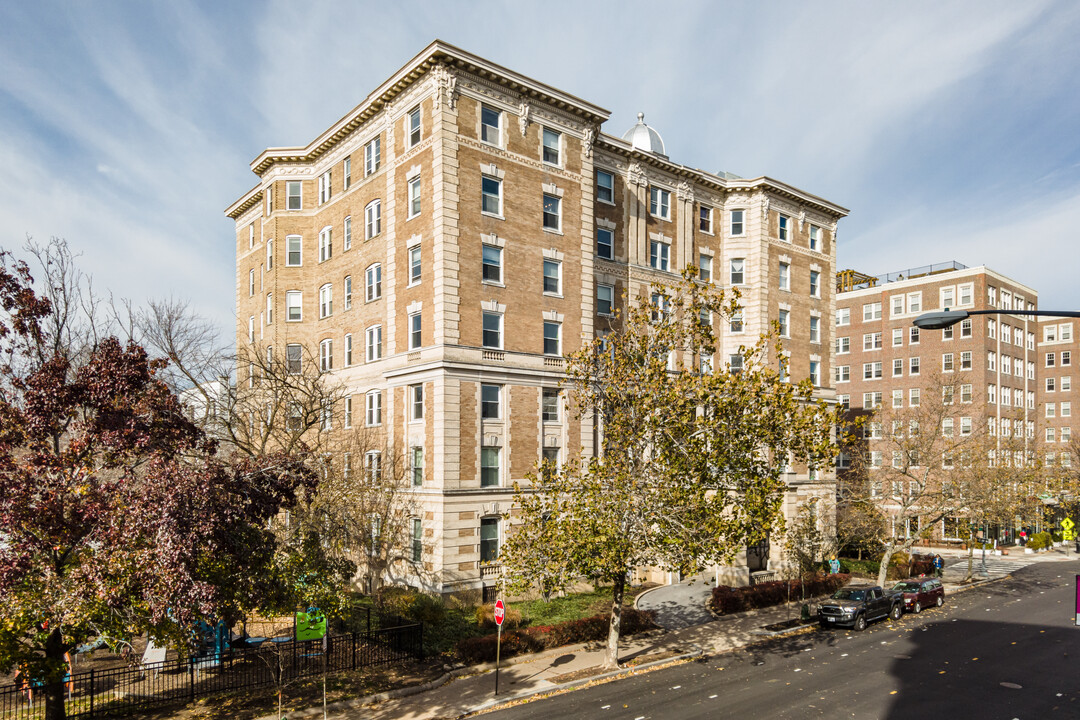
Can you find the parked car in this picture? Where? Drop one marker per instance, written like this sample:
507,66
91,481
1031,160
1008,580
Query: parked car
856,605
921,593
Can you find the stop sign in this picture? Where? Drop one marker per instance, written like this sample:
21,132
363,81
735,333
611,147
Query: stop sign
500,612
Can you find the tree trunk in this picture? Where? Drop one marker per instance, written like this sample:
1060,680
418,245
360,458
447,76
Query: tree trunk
55,709
883,571
611,659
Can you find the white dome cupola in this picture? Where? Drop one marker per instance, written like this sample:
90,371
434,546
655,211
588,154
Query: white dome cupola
643,137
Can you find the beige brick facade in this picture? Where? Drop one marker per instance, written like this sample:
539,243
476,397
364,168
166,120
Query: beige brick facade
451,154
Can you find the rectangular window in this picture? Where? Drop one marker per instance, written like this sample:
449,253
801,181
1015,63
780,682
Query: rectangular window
815,237
842,373
417,540
251,328
914,397
782,228
605,298
659,254
416,465
913,336
552,338
414,126
414,265
965,360
492,264
604,243
490,121
913,366
736,323
414,197
737,225
373,408
374,343
326,355
552,277
490,401
737,271
489,533
326,247
373,282
347,239
372,156
269,308
348,349
815,284
326,301
785,328
251,283
293,196
552,140
1051,359
372,219
293,358
550,405
415,335
491,195
552,212
705,268
324,187
492,330
705,219
784,276
843,345
294,256
815,329
898,337
293,306
660,203
965,393
346,167
270,254
605,187
898,367
1066,358
373,466
348,416
965,328
489,472
416,402
947,362
871,311
843,317
815,373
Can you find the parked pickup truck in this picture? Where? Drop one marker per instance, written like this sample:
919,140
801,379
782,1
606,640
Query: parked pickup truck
856,605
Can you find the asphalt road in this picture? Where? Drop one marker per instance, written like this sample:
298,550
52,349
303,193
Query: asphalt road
1006,650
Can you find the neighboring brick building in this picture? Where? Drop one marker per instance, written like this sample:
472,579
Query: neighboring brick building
991,360
443,245
1058,349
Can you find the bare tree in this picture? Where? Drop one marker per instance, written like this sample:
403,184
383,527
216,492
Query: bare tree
905,465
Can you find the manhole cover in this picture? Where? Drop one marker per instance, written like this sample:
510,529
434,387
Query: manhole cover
1012,686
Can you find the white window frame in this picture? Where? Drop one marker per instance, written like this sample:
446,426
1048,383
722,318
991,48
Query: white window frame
373,219
546,134
737,222
326,244
373,408
493,252
372,156
373,343
415,265
557,214
414,127
610,187
294,300
416,330
326,355
660,203
483,331
294,190
292,241
326,301
484,195
373,282
549,263
414,198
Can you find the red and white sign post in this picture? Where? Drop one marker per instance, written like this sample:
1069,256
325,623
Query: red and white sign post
500,615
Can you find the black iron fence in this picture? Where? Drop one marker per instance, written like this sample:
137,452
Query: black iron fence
117,691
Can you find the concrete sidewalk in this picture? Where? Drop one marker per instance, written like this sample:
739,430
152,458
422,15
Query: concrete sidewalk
471,689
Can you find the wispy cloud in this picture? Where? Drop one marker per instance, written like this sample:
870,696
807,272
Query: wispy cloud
947,128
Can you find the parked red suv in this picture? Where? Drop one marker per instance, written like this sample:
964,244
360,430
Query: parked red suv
921,593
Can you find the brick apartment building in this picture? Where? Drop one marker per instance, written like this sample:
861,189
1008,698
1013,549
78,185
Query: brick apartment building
443,245
1010,372
1058,347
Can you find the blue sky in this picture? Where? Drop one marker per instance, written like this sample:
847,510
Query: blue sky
949,129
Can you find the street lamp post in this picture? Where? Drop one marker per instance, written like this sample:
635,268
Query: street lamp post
947,318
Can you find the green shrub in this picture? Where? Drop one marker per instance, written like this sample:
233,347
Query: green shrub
727,600
1040,540
541,637
859,567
